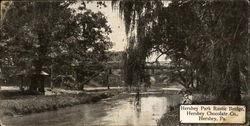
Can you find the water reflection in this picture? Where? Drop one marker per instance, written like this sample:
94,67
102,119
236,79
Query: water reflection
138,111
130,111
137,104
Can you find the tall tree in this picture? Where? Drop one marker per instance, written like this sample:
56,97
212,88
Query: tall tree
34,37
137,16
207,40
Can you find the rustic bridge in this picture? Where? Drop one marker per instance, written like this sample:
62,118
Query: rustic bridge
118,65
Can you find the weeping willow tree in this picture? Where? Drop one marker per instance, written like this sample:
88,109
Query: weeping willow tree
139,17
207,40
4,7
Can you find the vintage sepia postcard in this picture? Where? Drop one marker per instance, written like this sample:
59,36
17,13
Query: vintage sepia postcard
124,63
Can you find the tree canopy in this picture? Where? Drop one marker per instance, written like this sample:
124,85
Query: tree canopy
36,35
206,40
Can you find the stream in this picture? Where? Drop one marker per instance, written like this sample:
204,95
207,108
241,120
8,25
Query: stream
146,110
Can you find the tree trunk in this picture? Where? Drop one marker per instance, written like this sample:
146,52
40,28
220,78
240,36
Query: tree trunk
1,77
231,93
236,84
248,49
107,78
81,86
43,32
41,87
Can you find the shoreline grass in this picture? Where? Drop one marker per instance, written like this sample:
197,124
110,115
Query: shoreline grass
41,103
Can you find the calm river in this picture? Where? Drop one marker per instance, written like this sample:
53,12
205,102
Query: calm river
127,111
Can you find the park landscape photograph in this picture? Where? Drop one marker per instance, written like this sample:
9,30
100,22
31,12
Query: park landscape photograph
122,62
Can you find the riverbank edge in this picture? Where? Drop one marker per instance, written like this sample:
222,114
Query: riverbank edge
171,118
41,103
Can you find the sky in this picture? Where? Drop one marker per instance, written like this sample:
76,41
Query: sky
118,35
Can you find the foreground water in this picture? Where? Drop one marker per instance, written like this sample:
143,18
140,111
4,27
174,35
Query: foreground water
128,111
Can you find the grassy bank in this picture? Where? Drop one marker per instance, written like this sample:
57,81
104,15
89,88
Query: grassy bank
40,103
172,117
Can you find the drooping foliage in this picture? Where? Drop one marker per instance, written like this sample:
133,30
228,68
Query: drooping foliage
206,42
139,17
